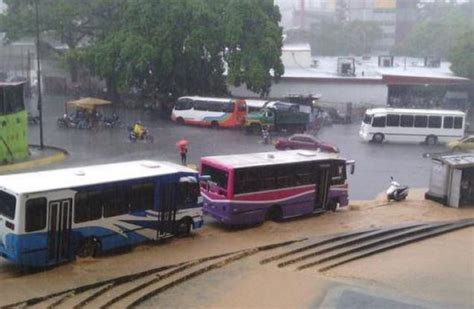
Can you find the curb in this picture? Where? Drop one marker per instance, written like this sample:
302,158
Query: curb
59,155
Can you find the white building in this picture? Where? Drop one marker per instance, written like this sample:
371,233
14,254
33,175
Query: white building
366,81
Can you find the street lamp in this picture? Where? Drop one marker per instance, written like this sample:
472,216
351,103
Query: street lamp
38,75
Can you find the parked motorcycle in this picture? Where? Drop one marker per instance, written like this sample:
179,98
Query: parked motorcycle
396,191
146,136
112,122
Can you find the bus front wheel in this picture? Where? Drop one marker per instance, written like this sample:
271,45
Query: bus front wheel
378,138
183,227
431,140
90,247
180,120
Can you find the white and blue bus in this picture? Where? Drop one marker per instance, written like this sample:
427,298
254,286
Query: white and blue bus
53,216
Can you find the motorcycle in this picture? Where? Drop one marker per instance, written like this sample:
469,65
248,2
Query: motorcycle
112,122
396,191
67,122
146,136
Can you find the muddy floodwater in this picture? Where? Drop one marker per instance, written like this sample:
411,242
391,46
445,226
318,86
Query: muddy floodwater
276,265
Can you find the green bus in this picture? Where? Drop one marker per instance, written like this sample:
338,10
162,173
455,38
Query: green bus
13,122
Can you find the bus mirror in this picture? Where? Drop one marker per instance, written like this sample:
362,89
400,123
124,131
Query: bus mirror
204,178
352,165
189,179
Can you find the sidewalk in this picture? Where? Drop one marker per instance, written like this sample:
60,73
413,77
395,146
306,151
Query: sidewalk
38,157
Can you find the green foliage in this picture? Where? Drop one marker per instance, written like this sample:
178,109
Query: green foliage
334,38
462,55
163,46
438,32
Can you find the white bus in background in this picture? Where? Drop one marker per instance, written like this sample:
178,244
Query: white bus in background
412,125
210,112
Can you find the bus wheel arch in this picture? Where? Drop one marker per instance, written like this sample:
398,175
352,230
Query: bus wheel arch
180,120
332,205
378,138
214,124
89,247
275,213
183,227
431,140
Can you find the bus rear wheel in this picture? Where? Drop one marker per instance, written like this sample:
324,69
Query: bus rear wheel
275,214
378,138
431,140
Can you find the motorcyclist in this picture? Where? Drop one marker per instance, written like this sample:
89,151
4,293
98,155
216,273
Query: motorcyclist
139,129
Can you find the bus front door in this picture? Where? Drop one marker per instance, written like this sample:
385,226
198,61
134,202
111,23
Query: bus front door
167,211
59,231
322,187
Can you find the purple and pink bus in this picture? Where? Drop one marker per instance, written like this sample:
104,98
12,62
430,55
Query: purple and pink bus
250,188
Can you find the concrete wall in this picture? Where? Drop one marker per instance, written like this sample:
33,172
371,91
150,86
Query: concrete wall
332,92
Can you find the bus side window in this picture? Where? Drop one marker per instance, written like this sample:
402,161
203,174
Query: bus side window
434,122
448,122
200,105
421,121
115,202
379,122
35,219
87,207
406,121
458,122
184,104
393,120
142,197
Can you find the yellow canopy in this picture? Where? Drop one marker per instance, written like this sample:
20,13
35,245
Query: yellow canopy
88,103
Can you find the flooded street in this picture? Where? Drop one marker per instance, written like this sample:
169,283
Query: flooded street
374,163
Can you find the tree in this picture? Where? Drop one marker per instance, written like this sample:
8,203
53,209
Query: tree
185,47
163,46
462,55
438,30
68,21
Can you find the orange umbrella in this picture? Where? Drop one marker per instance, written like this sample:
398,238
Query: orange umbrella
182,143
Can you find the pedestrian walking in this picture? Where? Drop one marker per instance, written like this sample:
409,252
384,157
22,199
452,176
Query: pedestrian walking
183,150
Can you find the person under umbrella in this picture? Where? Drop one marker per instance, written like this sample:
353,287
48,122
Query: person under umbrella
183,150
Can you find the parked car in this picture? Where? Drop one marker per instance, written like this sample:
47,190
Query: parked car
466,143
304,141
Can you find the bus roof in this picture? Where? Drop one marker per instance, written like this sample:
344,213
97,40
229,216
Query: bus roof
87,175
223,100
410,111
269,158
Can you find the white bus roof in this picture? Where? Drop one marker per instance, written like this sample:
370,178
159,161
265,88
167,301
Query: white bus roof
270,158
87,175
256,103
223,100
440,112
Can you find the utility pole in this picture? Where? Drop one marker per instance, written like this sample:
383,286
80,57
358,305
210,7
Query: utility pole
38,75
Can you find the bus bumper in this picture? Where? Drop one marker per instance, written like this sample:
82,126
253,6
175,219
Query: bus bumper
364,136
243,218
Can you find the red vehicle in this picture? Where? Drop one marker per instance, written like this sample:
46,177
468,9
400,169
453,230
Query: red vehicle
304,141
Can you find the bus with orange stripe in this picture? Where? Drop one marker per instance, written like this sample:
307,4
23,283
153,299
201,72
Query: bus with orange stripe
210,112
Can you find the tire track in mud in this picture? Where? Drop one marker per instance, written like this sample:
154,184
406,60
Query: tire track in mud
134,289
341,249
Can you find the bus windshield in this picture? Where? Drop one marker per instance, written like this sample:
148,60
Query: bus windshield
367,119
218,176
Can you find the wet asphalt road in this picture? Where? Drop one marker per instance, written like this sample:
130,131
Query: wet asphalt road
374,163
